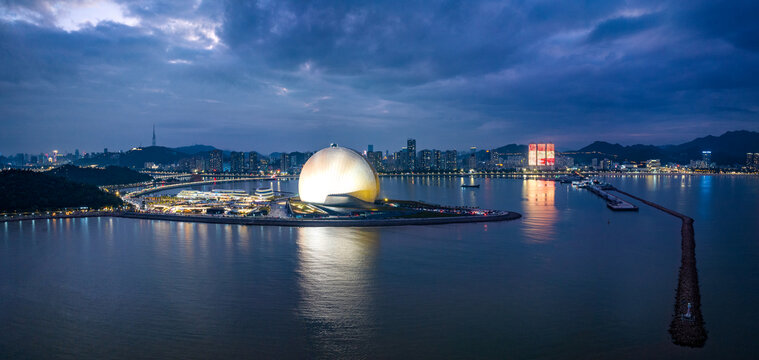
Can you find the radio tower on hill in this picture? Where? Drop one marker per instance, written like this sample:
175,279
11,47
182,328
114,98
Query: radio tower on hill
153,134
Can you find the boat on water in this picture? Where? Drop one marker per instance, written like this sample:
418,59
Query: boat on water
471,186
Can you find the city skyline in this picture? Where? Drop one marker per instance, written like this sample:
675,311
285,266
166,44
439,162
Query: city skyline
287,75
359,147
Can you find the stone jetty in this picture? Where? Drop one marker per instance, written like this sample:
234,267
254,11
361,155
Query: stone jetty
687,326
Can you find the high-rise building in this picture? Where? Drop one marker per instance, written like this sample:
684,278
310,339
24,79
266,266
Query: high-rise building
403,161
565,161
237,162
550,155
393,161
284,161
438,163
472,161
532,155
216,161
425,160
252,161
494,161
706,157
451,162
375,158
606,164
411,148
201,163
542,156
298,159
369,148
752,161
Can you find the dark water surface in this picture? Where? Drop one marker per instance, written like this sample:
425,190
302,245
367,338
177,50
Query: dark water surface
571,279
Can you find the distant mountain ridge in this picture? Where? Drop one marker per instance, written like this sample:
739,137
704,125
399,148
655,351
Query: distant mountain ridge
728,148
637,152
198,149
511,149
195,149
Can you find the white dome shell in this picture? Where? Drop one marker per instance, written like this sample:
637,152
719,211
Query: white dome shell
337,171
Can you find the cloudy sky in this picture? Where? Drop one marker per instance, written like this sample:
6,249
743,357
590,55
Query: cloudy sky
296,75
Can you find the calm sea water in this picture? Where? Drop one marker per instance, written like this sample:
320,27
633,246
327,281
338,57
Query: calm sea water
571,279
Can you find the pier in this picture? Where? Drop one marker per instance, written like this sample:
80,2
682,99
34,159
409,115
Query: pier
687,326
612,202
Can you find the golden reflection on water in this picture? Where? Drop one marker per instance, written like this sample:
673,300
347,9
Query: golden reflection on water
162,234
335,275
193,242
540,213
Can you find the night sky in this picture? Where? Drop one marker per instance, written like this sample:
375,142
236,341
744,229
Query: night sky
297,75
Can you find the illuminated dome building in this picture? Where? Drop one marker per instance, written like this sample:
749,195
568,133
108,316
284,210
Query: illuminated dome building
338,176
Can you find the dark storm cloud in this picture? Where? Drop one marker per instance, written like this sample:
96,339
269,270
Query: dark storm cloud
732,21
451,73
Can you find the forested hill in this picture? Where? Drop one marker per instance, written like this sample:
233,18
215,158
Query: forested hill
111,175
26,191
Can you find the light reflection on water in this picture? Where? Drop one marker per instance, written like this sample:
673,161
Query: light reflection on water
705,203
334,268
540,213
127,288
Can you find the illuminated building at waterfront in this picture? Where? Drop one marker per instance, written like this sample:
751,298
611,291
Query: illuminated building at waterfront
706,158
237,162
338,176
252,161
216,162
541,156
411,147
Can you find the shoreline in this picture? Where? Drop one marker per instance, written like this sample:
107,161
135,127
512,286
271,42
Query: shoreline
504,216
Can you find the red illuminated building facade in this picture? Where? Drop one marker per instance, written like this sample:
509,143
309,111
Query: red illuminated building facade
541,156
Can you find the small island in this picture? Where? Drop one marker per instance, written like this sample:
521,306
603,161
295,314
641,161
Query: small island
337,187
